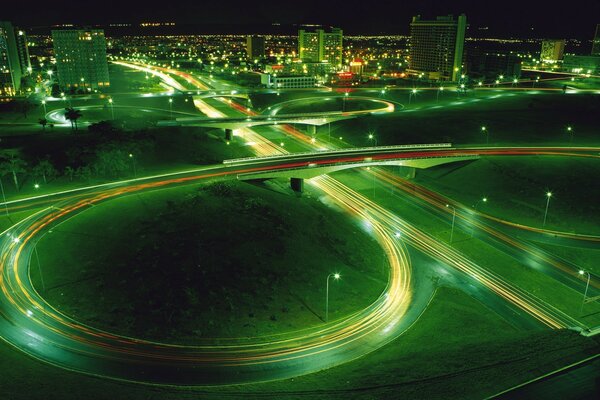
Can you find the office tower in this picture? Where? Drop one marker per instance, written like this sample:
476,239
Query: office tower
81,58
436,47
23,52
10,68
321,46
552,50
596,42
308,46
255,47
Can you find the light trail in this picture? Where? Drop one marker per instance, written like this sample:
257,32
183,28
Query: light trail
58,339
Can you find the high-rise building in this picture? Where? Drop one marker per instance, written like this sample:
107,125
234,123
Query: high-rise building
436,47
308,46
10,68
596,42
552,50
23,52
255,47
81,58
321,46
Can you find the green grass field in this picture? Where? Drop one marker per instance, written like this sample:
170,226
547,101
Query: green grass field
251,261
457,350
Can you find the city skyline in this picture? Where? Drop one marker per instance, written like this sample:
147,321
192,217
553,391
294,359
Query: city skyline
535,19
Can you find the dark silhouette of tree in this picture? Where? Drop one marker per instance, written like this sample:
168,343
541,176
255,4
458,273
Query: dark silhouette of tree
12,163
69,171
72,115
45,170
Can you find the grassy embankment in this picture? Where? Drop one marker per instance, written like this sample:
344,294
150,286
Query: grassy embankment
228,259
458,349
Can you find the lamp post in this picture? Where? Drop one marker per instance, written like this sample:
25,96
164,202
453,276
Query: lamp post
112,109
171,107
548,195
372,137
412,93
441,89
587,285
344,104
570,132
44,104
335,276
483,199
487,134
453,218
133,163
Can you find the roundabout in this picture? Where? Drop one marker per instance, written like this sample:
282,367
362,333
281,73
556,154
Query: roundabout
34,326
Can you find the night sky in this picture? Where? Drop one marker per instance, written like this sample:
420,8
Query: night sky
548,18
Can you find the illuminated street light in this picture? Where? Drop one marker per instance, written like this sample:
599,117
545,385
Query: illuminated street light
171,107
335,276
453,218
484,200
548,195
440,89
412,93
372,137
487,134
133,163
582,272
36,186
570,131
44,104
112,108
344,104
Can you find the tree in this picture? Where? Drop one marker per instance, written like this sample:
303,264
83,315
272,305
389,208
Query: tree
69,171
12,163
111,161
43,122
72,115
84,173
45,170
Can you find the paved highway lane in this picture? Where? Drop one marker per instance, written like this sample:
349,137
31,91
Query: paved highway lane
33,326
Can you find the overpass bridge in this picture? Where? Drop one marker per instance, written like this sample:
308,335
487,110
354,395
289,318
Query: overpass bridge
300,166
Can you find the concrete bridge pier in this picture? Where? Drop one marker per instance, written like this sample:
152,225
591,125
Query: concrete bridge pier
297,184
228,134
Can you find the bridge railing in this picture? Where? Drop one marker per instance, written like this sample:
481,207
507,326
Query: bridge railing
340,151
358,162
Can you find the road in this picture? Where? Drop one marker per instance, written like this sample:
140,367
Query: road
33,326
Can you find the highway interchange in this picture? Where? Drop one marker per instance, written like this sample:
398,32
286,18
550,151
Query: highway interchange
35,327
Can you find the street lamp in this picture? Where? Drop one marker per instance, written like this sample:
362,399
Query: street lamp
171,107
570,131
483,199
133,163
372,137
412,93
441,89
582,272
112,109
44,104
453,218
344,105
335,276
487,134
548,195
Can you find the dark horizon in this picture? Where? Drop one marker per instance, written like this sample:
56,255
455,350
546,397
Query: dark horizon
354,17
